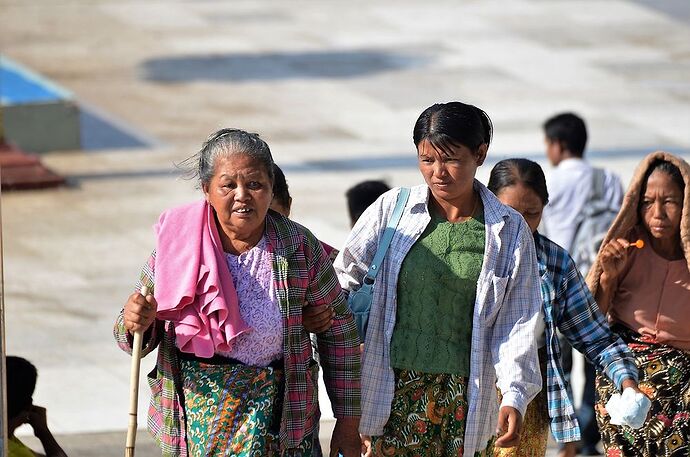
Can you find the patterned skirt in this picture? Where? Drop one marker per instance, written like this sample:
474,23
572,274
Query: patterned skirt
534,436
427,417
235,410
664,374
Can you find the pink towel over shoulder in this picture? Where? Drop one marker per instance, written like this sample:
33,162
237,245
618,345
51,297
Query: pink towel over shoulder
194,288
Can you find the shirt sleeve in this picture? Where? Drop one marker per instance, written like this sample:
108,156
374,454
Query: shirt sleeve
354,259
513,341
152,336
585,327
338,347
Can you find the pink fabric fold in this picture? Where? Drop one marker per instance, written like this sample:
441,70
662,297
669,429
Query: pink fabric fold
194,288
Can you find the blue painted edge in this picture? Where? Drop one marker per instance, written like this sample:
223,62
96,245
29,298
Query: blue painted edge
16,77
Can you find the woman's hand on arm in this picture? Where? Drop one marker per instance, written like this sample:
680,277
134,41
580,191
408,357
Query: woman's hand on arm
317,319
509,427
139,312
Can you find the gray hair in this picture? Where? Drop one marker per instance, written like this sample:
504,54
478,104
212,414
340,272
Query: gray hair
223,143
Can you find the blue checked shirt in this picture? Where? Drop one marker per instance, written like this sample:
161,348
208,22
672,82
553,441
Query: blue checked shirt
570,307
506,310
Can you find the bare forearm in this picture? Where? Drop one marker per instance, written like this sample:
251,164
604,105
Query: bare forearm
50,444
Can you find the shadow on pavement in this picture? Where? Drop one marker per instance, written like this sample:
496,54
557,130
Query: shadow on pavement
277,66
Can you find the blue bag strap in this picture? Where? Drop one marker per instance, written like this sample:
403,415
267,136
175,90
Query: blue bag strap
388,234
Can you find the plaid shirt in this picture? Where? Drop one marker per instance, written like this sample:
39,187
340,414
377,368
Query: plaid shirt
506,310
303,276
570,307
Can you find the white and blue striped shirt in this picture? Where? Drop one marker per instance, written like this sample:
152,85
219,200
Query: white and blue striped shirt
570,307
507,308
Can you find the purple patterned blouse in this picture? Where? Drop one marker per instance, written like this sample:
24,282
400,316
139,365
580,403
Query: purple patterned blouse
252,274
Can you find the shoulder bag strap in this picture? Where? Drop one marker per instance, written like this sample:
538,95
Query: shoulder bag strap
388,235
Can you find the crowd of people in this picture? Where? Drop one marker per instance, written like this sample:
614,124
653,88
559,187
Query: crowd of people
478,298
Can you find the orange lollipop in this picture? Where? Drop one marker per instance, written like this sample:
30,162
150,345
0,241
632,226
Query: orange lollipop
639,244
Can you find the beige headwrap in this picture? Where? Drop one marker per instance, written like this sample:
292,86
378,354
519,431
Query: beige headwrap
628,217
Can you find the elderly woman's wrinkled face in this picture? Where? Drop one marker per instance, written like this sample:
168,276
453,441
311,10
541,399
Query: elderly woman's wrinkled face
240,192
661,206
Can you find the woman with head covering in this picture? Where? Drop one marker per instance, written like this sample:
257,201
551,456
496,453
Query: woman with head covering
429,383
645,289
235,373
568,306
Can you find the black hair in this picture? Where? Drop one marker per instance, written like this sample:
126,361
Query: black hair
510,172
362,195
281,192
568,129
21,382
665,167
448,125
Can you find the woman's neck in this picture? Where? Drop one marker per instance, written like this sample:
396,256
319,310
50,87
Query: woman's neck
458,210
669,249
238,243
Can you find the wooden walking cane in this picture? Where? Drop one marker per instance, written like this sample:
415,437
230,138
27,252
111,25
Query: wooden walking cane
4,436
134,386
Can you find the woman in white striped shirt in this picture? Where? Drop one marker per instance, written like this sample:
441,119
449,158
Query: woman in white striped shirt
455,305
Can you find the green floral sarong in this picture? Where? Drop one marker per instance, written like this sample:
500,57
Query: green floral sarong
427,417
235,410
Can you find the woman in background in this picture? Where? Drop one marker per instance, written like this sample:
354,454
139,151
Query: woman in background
646,293
568,306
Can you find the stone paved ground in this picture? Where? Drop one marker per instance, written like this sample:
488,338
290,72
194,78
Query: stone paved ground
334,88
101,444
111,443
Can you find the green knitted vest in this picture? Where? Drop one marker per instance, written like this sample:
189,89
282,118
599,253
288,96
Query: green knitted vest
437,288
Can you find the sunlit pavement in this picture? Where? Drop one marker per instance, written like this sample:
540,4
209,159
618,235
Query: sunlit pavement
334,88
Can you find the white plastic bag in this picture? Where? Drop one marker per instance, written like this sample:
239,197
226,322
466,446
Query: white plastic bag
630,408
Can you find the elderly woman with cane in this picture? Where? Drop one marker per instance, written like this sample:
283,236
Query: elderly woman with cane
641,279
230,281
455,304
